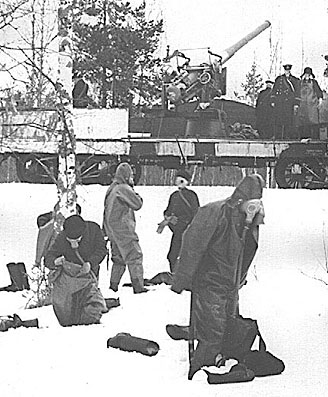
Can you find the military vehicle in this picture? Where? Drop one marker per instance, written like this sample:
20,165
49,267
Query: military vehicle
192,126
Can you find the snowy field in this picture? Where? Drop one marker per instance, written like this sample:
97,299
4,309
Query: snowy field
282,293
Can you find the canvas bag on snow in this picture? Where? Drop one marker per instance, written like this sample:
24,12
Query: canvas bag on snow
238,341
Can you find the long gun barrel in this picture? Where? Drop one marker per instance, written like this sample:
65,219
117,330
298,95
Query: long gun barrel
230,51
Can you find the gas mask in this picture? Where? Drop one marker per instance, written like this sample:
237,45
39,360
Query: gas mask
253,209
131,181
181,183
74,242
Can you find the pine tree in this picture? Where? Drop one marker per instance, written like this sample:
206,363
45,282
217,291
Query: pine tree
253,84
116,53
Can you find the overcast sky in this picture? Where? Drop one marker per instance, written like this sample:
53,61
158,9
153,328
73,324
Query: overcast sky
299,28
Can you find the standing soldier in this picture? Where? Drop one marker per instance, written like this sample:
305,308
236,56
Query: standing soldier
182,207
311,100
285,100
119,225
264,111
217,250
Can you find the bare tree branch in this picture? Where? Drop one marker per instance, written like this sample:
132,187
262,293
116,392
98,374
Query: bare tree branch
315,278
9,15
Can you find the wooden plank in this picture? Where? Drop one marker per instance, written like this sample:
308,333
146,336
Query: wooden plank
167,148
250,149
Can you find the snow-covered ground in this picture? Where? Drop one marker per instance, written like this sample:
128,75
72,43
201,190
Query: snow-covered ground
291,306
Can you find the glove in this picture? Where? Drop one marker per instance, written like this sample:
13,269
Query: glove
178,286
59,261
85,268
175,289
71,268
161,226
173,219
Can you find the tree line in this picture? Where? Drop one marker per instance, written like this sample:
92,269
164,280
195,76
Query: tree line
114,51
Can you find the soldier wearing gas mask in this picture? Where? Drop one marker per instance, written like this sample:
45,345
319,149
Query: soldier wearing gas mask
182,207
217,250
119,225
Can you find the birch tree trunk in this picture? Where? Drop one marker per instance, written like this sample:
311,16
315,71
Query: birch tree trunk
66,183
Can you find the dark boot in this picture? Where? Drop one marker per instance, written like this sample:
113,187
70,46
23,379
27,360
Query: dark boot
138,287
112,302
8,322
15,322
15,278
24,283
113,286
30,323
178,332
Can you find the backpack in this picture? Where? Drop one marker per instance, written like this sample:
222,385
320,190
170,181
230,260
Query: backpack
240,335
239,338
262,362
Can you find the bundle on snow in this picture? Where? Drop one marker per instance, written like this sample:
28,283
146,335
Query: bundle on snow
239,338
129,343
240,335
263,363
160,278
238,373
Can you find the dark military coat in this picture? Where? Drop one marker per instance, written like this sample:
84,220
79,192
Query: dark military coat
285,94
